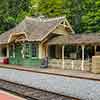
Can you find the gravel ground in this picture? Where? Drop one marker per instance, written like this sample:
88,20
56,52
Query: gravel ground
79,88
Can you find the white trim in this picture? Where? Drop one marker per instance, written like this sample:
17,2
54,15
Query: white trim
69,26
13,34
38,19
22,51
7,51
13,51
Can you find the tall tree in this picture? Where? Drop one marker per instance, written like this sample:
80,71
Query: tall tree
51,8
73,9
83,15
12,12
91,18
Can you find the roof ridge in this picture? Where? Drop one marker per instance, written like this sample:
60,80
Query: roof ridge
38,19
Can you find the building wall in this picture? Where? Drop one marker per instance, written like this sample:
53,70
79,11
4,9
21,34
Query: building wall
60,30
17,56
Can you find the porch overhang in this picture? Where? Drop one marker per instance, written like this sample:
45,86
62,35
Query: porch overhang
75,40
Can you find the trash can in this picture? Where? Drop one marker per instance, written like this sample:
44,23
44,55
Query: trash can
44,63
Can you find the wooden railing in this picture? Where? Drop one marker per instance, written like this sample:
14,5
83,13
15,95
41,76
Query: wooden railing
70,64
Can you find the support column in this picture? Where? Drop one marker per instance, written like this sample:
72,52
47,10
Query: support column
95,47
7,51
82,66
63,56
40,51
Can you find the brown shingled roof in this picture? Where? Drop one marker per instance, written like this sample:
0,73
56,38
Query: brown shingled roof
76,39
35,28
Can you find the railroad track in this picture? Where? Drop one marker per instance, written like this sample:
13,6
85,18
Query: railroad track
30,93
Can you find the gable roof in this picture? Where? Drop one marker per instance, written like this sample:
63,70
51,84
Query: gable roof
35,28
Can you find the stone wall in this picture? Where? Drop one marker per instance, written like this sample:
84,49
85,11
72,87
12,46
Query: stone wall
70,64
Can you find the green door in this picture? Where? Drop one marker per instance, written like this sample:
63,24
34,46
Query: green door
18,54
12,59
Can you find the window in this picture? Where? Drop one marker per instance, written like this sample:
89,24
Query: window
12,50
4,52
98,49
26,50
34,50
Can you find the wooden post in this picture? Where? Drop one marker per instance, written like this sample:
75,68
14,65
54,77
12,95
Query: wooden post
72,64
95,47
82,66
63,56
7,51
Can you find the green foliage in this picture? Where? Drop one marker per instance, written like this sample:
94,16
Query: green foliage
51,8
91,19
12,12
84,15
73,10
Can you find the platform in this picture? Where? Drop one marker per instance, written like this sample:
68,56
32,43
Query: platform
7,96
55,71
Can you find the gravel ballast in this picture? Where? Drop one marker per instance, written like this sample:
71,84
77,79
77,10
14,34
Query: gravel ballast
79,88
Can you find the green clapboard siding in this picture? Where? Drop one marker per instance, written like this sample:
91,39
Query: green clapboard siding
32,62
18,55
28,61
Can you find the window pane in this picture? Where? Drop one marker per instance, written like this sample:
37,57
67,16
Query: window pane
27,53
34,50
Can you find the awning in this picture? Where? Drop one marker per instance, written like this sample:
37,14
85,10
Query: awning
75,39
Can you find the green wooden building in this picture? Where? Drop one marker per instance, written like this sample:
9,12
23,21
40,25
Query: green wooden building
27,43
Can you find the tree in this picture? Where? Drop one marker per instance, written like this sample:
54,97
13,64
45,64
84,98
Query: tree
12,12
91,19
74,12
51,8
83,15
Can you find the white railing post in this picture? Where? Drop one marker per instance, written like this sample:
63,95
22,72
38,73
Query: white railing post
72,64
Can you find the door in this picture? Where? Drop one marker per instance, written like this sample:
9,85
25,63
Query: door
18,54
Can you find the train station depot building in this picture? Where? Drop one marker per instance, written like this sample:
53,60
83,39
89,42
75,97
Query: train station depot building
36,38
